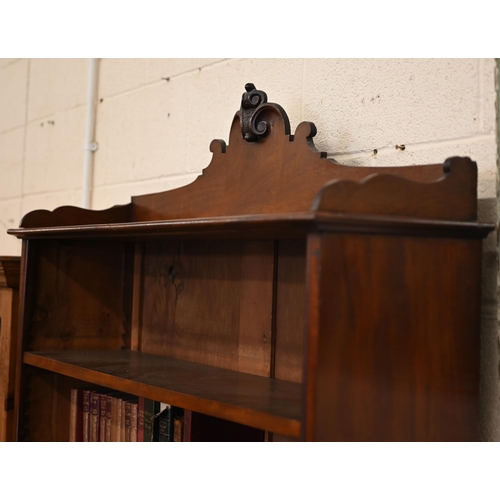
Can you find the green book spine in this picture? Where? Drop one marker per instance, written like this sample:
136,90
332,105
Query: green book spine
151,408
165,425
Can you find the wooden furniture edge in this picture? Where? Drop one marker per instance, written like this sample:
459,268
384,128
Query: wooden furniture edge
263,226
9,271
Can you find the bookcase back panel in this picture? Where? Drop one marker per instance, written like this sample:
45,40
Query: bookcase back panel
280,173
398,354
290,310
78,296
209,302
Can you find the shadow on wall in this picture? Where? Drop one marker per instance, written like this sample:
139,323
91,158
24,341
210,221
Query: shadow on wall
489,405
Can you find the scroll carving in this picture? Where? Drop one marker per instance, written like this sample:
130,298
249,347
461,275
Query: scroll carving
251,102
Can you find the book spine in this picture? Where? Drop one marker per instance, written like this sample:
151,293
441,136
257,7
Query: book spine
186,431
109,409
165,425
178,428
76,416
94,417
114,420
140,420
127,421
86,415
133,421
151,408
122,420
102,417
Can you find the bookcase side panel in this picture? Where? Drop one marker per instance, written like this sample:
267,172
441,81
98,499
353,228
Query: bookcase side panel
9,300
209,302
290,315
79,296
397,355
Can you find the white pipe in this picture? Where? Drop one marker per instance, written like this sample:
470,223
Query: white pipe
90,145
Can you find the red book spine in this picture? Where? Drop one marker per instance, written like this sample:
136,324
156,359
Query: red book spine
115,427
187,425
86,415
102,417
122,420
109,408
140,420
94,417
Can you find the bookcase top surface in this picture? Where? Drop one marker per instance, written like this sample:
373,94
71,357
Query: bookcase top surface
279,226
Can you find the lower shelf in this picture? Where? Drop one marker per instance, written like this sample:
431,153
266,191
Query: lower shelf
268,404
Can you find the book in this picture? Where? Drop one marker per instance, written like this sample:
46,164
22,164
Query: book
129,417
151,408
76,416
186,431
122,419
86,415
114,431
170,423
109,410
133,421
127,421
94,416
178,428
102,416
204,428
164,424
140,420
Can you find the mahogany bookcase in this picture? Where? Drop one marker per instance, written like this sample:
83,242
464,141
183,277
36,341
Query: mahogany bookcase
280,289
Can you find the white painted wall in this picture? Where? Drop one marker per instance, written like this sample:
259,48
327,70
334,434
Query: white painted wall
157,117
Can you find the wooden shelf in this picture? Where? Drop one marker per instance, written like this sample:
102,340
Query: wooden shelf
269,404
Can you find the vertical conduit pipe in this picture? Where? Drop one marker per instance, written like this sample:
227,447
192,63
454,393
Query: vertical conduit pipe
90,145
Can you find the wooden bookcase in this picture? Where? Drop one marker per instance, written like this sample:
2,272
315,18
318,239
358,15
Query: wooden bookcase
281,290
9,301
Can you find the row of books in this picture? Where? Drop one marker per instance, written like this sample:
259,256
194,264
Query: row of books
113,416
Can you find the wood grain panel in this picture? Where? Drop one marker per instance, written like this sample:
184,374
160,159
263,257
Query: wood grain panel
451,198
398,342
79,297
209,302
280,173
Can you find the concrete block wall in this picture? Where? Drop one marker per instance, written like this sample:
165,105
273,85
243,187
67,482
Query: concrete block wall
157,117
